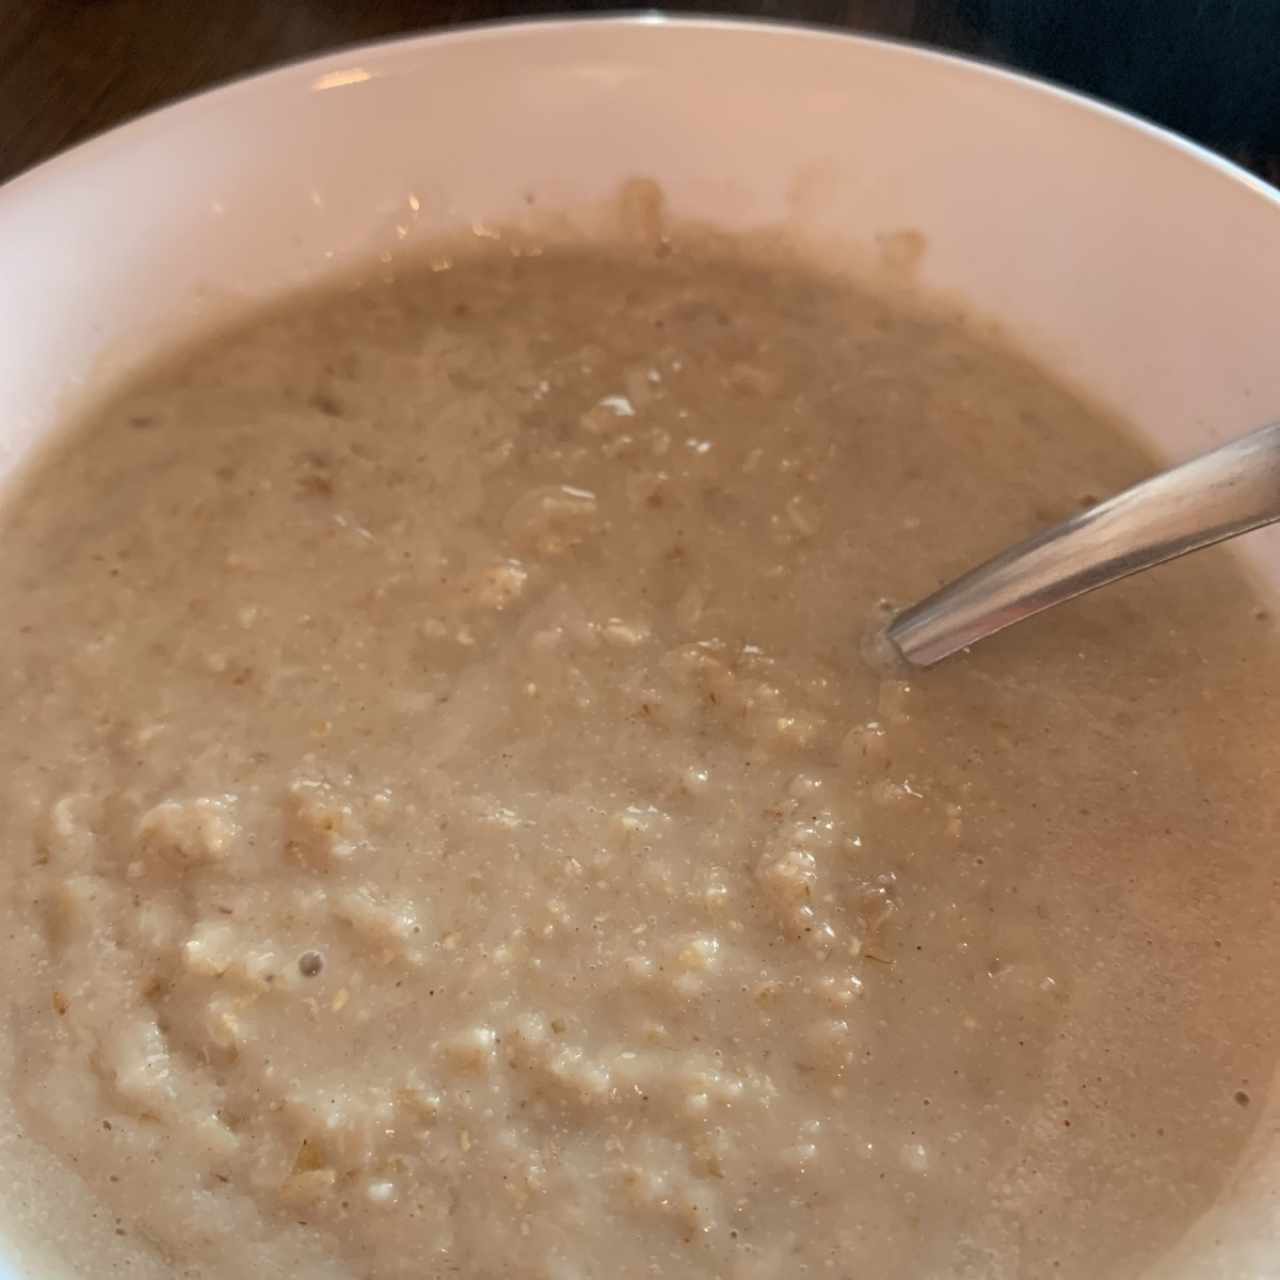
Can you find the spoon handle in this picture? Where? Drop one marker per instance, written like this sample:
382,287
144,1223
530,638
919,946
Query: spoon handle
1227,491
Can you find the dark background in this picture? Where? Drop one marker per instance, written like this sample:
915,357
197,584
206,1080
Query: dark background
1210,68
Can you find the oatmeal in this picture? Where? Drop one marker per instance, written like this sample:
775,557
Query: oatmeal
453,827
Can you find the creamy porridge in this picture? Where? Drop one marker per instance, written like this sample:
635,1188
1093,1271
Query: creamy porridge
452,827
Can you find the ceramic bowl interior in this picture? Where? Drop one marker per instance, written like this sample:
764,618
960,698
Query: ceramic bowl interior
1133,263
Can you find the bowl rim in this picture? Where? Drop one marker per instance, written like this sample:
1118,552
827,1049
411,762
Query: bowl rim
395,55
317,65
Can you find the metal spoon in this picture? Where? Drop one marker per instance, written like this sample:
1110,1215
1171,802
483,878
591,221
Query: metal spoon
1227,491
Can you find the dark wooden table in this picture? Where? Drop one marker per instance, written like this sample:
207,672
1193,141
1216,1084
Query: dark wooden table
70,68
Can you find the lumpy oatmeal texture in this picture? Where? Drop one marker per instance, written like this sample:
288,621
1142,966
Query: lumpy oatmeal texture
451,825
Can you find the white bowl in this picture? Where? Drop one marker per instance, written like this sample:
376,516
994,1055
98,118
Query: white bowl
1145,269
